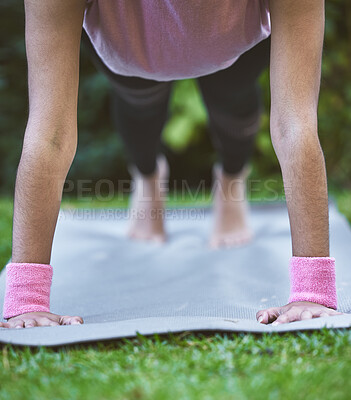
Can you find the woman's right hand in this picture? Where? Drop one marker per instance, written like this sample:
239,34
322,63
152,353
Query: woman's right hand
29,320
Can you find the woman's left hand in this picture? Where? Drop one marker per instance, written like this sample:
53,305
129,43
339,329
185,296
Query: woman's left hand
296,311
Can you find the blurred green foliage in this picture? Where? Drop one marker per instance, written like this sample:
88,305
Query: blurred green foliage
335,99
186,138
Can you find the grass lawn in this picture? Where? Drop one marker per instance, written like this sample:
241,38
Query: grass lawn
185,366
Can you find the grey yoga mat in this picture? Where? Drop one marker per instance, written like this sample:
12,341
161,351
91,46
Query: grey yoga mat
122,288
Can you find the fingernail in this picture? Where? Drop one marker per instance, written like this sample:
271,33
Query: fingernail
275,323
260,319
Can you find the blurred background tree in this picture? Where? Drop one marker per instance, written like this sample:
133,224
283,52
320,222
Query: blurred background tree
186,138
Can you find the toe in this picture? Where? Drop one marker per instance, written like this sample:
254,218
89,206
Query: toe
131,235
230,240
158,239
218,241
215,243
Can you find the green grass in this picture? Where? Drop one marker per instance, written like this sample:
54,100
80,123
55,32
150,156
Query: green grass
300,366
315,365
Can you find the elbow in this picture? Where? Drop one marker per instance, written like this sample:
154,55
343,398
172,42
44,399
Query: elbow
52,148
291,138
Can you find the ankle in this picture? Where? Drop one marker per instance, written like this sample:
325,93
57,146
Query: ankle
161,171
220,173
230,188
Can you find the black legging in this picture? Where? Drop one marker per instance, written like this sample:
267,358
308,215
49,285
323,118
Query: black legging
232,97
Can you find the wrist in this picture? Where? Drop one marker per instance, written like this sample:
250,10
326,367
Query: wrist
313,279
27,288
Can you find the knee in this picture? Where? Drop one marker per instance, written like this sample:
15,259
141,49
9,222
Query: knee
132,99
240,114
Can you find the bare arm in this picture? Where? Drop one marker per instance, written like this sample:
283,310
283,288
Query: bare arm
297,40
296,52
53,31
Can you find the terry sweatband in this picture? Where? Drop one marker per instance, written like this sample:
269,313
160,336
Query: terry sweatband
313,279
27,288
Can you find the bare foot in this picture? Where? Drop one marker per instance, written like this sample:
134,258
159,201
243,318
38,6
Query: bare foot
230,210
147,204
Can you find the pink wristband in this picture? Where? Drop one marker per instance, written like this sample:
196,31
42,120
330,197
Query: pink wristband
313,279
27,288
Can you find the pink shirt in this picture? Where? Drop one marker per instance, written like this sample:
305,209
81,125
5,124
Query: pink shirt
174,39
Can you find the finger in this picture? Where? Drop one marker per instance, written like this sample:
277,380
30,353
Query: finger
18,323
306,314
268,315
262,317
4,325
68,320
334,312
44,321
51,322
282,319
329,313
78,320
30,323
291,315
324,314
